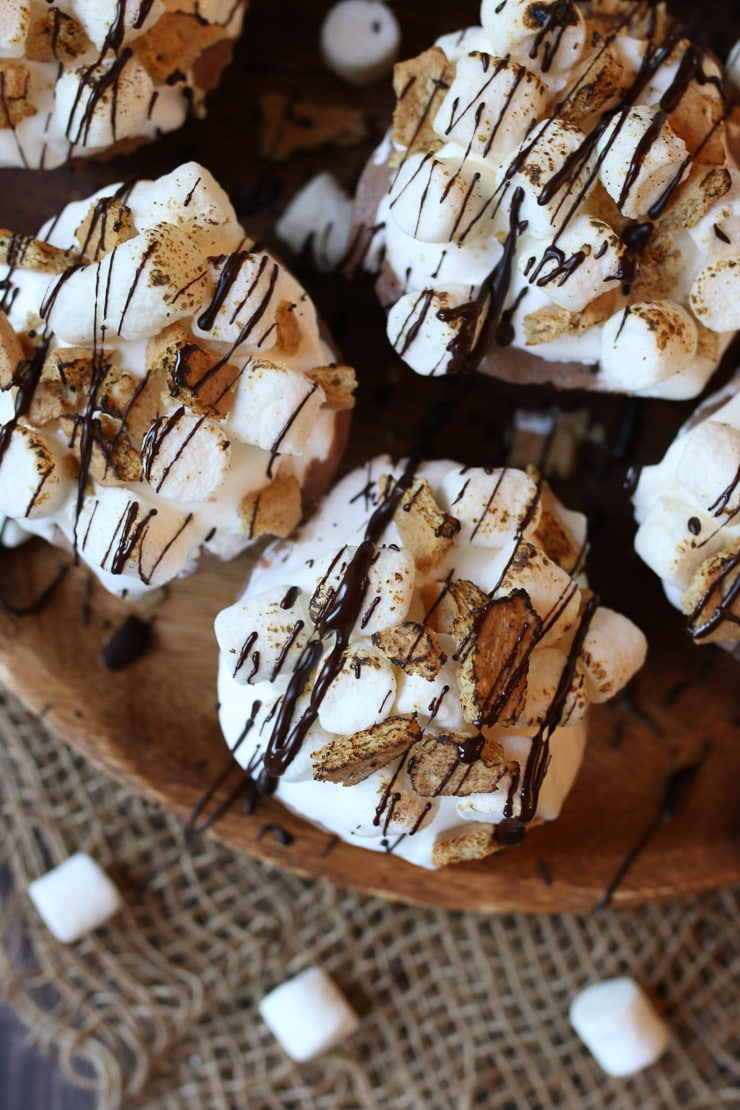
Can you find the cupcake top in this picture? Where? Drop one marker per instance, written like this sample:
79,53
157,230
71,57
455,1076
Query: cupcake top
413,668
167,395
94,76
688,509
556,202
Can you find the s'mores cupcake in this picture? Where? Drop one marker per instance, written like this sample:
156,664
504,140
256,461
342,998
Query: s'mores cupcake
412,671
83,77
167,395
556,202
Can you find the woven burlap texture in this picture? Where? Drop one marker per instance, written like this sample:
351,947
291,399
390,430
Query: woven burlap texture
159,1009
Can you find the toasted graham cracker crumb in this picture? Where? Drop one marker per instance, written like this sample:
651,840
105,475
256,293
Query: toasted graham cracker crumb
420,85
195,377
436,770
108,223
338,382
291,125
11,352
704,600
426,530
452,606
274,510
475,840
56,36
15,102
33,254
173,43
413,648
350,759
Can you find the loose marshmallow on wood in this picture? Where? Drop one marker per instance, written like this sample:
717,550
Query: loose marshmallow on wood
319,217
618,1023
308,1014
359,40
75,898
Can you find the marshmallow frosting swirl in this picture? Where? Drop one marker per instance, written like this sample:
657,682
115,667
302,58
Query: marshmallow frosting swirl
83,76
165,392
412,669
556,201
688,510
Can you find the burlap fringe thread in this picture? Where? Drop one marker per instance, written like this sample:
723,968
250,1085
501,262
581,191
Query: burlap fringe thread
159,1009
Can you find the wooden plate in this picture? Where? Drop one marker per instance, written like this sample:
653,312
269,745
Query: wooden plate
154,725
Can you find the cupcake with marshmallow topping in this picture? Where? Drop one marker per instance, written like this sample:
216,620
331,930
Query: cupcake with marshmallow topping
167,396
555,202
412,670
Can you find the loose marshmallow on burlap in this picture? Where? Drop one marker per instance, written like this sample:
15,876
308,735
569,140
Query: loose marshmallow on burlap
618,1023
75,898
308,1014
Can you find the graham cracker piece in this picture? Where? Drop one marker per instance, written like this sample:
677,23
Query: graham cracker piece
173,43
56,36
437,770
288,330
413,648
712,598
274,510
552,320
420,84
350,759
426,530
11,352
114,461
707,341
554,537
63,385
658,273
474,840
28,253
15,101
338,382
593,84
492,670
692,200
697,119
195,377
108,223
453,606
290,125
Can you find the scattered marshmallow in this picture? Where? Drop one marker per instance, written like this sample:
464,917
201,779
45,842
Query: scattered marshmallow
275,407
318,218
619,1025
541,156
584,261
75,898
15,21
359,40
263,635
33,484
308,1014
185,457
515,26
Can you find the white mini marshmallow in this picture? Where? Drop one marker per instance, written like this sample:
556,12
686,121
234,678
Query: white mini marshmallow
542,155
136,290
186,457
308,1014
582,263
664,542
425,328
708,466
15,21
552,592
646,343
715,295
361,693
613,650
189,198
439,197
518,26
263,635
458,44
652,169
732,66
619,1025
33,484
318,219
75,898
124,535
95,111
491,506
717,233
113,25
275,407
390,586
490,105
359,40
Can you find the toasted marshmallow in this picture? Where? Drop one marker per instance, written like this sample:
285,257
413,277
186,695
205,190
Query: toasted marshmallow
490,105
275,407
708,466
619,1025
426,667
190,199
15,21
715,295
651,168
542,156
530,29
439,199
613,650
359,40
318,219
186,457
96,106
33,481
647,343
583,261
426,328
110,27
664,541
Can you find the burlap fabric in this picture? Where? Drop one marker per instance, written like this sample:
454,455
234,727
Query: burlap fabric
159,1009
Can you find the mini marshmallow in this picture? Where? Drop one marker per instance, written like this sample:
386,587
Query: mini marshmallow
359,40
275,407
150,281
708,466
542,155
308,1014
619,1025
583,262
458,44
360,694
613,649
33,484
655,166
438,198
425,328
15,21
94,111
99,16
389,591
263,635
490,105
186,457
732,66
515,25
190,198
75,898
647,343
664,542
491,505
715,295
318,218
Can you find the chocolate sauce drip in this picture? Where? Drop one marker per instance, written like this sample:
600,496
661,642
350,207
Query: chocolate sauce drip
719,506
127,644
554,19
38,602
694,525
718,600
279,834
